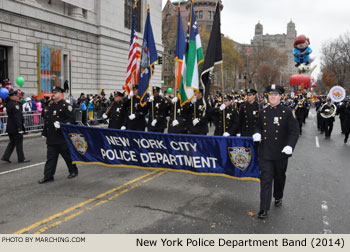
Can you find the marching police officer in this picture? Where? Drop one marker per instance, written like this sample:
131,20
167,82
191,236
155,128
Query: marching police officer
136,113
328,122
249,113
199,113
117,113
225,118
15,128
157,107
278,131
58,111
177,119
347,121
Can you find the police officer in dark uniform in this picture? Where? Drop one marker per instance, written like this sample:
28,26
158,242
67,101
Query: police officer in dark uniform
117,113
199,113
15,128
225,118
157,111
58,111
347,121
177,119
278,131
300,112
249,113
136,114
328,122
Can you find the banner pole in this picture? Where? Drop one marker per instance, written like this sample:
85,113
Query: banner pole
223,90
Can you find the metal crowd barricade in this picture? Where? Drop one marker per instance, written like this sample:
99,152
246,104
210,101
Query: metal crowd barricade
3,123
32,121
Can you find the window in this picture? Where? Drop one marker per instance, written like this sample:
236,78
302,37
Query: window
200,14
3,64
209,15
196,12
128,11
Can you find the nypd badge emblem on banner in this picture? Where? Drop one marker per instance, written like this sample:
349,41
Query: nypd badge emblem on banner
240,157
79,142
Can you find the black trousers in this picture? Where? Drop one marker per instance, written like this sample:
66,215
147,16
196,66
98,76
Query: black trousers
16,140
328,127
52,157
272,171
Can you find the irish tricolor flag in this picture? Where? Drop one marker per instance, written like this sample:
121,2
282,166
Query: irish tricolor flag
189,83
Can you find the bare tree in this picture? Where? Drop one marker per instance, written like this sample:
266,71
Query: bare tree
335,62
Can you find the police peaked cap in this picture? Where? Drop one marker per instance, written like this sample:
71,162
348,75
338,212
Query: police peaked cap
13,92
57,89
117,93
156,89
250,91
275,89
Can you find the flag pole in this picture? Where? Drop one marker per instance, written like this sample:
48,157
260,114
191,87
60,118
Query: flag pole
176,75
223,90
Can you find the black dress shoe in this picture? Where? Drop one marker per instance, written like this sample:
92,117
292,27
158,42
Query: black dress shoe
73,175
45,180
262,214
345,140
6,160
278,202
24,161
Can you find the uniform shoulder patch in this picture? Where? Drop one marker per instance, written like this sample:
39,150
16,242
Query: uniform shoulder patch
17,106
70,108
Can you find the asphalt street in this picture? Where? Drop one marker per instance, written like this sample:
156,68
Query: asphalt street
105,200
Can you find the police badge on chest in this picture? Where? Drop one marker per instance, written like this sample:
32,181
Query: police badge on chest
54,112
275,120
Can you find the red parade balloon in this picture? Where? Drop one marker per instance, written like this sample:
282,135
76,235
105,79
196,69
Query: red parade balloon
299,79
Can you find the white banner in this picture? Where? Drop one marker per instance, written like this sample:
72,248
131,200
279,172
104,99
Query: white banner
85,4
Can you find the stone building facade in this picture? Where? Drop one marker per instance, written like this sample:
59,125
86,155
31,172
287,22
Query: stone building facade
96,39
283,42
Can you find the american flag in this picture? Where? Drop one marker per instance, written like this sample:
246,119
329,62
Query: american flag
134,54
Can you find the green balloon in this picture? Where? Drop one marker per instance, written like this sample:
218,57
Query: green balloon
20,81
170,90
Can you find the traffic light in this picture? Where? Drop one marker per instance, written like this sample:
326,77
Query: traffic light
160,60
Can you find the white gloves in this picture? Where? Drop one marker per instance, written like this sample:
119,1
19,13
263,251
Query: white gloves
194,99
123,128
132,116
257,137
222,107
326,110
151,98
195,121
104,116
21,132
174,100
287,150
175,123
131,94
57,124
154,122
238,134
226,134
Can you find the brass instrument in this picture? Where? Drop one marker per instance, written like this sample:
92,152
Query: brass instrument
301,103
331,112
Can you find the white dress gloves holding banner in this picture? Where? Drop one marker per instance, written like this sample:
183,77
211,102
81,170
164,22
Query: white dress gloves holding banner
151,98
123,128
132,116
222,107
154,122
131,94
104,116
226,134
195,121
194,99
287,150
57,124
175,123
174,100
257,137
